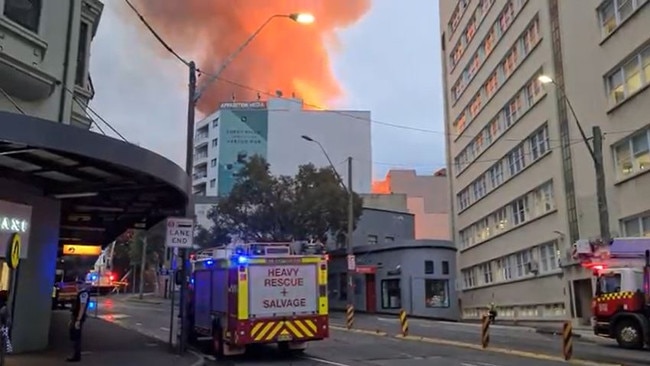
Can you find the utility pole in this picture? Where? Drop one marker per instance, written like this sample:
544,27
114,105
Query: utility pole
350,250
189,210
143,265
601,187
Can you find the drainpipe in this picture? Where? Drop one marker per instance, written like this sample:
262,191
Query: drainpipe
66,61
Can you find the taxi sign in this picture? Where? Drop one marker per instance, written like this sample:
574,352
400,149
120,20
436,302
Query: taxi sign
13,251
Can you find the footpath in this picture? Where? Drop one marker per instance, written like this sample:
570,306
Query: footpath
104,344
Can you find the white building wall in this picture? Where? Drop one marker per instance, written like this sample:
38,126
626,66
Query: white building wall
342,134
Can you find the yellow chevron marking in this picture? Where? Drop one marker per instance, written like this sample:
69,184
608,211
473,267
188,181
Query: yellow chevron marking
293,329
256,328
264,331
303,328
311,324
271,335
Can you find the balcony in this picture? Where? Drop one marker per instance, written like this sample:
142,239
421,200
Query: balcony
21,58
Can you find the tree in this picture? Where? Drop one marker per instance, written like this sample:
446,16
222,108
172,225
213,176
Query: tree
212,237
263,207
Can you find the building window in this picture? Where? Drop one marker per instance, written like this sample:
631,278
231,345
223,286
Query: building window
436,293
637,226
27,13
389,239
391,294
519,210
501,220
544,200
373,239
633,155
516,162
213,162
215,142
486,272
81,73
548,256
496,174
469,277
539,143
614,12
632,76
213,182
428,267
463,199
215,123
445,267
480,187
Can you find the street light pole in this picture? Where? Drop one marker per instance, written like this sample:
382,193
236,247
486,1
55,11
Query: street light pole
193,98
350,227
596,153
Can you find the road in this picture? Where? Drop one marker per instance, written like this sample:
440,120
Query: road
359,348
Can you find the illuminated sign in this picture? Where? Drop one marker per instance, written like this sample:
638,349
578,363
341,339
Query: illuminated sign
13,224
243,105
74,249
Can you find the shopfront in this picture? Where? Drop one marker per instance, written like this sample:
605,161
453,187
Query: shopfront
15,225
417,276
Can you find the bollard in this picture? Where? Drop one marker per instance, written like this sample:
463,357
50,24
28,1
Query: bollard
567,340
404,323
349,321
485,331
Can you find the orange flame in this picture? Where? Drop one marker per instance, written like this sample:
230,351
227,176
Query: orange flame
381,186
286,56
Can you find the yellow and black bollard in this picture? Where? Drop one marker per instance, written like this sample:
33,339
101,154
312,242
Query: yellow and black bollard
485,331
567,340
349,318
404,323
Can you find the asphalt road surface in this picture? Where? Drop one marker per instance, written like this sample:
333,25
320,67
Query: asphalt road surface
345,348
507,337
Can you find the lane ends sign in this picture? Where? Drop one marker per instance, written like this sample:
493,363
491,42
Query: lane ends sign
180,232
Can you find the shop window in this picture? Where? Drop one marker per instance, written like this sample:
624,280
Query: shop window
391,294
436,293
428,267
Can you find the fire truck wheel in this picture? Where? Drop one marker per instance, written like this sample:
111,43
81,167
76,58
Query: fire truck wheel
629,334
217,340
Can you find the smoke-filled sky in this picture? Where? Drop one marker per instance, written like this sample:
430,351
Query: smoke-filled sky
379,55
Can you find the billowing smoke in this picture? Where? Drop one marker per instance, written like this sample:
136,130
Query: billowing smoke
286,55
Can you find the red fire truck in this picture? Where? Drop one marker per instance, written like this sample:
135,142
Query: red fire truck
621,305
259,293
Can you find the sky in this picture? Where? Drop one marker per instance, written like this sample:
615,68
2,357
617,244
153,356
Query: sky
388,63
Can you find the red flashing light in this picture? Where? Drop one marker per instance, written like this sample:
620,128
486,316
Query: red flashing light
326,257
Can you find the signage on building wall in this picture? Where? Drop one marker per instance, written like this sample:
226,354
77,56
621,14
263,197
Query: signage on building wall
243,105
244,134
13,251
14,218
81,249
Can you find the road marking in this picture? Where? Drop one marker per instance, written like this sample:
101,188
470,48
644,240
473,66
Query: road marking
539,356
320,360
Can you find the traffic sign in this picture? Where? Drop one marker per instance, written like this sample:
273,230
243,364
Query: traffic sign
180,232
352,262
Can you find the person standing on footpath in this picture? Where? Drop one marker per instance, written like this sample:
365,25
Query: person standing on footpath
77,319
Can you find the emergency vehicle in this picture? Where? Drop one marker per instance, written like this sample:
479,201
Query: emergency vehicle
621,305
259,293
101,278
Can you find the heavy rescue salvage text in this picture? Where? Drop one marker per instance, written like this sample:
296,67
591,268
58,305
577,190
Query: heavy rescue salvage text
284,279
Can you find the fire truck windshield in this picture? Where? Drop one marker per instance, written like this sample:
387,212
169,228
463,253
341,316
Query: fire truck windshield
609,283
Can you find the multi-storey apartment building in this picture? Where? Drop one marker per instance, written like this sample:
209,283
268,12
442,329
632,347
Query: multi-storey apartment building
44,58
522,179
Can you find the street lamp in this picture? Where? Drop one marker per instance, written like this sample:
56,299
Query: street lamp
194,96
596,153
350,229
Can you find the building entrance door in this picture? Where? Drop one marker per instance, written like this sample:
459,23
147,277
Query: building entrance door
371,293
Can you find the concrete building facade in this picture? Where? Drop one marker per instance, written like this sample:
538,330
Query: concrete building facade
427,198
273,129
522,180
394,271
45,56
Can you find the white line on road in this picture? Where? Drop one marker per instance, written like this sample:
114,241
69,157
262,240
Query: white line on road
320,360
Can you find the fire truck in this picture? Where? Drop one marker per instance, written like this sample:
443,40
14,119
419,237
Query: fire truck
258,293
621,304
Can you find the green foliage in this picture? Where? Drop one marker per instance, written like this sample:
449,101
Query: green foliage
263,207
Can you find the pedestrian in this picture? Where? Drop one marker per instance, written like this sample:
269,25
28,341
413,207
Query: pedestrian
5,320
77,319
493,312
